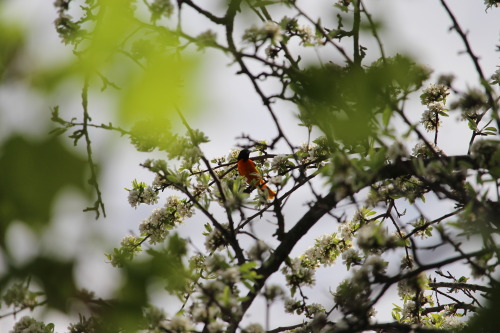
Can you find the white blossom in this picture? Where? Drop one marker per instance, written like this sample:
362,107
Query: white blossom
279,162
409,309
273,31
496,76
145,195
149,196
345,230
307,35
434,93
181,207
134,197
377,264
254,328
397,151
28,325
423,151
316,309
179,324
231,275
260,251
351,256
199,313
130,241
214,240
216,327
430,117
452,323
276,180
153,226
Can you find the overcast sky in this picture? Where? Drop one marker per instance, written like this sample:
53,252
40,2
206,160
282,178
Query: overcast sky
416,27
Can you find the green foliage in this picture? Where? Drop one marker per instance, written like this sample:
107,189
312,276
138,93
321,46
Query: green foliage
31,175
12,40
344,102
380,205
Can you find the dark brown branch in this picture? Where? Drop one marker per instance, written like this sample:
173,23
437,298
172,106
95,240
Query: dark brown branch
475,59
456,285
455,306
207,14
308,220
98,204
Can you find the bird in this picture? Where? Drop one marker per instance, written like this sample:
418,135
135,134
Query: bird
247,169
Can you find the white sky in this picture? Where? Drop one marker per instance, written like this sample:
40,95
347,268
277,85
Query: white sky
417,27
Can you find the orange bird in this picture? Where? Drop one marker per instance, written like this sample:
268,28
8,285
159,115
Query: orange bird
247,169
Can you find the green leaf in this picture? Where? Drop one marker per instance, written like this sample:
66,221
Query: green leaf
386,116
12,39
472,125
31,175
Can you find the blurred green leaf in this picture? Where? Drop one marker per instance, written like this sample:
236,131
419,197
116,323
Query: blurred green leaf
31,174
344,102
11,41
55,277
165,85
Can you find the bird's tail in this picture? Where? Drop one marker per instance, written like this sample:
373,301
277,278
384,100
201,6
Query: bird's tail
270,193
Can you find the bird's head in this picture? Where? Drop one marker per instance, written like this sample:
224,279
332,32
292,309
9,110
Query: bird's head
244,154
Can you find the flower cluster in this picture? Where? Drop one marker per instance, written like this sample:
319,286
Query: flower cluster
434,97
422,228
141,193
410,188
280,163
254,328
68,30
486,153
325,250
315,151
205,39
408,288
430,117
179,324
273,292
156,226
130,246
434,93
471,103
259,251
424,151
214,238
159,8
269,31
155,318
313,310
67,27
373,237
19,296
300,271
30,325
397,151
495,77
344,175
304,32
351,257
352,295
216,297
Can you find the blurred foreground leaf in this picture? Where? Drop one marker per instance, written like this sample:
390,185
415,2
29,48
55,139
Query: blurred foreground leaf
31,174
11,41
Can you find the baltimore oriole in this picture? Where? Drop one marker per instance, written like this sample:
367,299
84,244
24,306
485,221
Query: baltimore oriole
247,169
